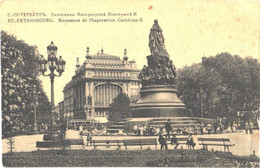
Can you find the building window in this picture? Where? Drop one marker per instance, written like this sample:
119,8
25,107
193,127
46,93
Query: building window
105,93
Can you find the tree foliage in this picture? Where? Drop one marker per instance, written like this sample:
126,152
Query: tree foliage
19,63
120,108
230,84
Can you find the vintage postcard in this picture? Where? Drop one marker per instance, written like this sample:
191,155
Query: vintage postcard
133,83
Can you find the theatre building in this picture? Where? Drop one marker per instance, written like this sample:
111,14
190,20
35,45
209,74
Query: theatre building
96,83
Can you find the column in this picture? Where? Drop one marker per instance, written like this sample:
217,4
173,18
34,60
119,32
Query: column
92,92
109,91
87,89
95,97
98,96
124,88
113,91
78,96
84,94
81,96
103,91
106,95
102,94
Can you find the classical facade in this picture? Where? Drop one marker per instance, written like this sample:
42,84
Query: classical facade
61,109
68,101
96,83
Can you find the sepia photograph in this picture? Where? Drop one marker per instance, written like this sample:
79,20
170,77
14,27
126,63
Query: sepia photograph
133,83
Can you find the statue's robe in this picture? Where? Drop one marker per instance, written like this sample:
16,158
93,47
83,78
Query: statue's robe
157,48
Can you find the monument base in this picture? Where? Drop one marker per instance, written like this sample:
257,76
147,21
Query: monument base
159,101
192,124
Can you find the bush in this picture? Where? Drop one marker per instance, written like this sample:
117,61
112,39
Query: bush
122,158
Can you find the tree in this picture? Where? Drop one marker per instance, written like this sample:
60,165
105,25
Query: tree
120,108
19,63
231,86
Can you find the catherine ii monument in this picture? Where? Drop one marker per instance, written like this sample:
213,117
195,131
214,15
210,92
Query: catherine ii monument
159,101
158,93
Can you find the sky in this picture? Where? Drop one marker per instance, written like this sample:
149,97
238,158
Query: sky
191,28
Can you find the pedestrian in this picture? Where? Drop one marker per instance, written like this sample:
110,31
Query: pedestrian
246,127
135,129
147,130
80,130
141,129
63,130
209,128
190,142
152,131
138,130
196,129
89,139
215,127
144,130
201,128
184,131
174,141
163,130
157,130
162,141
178,130
168,128
221,127
231,126
235,126
251,125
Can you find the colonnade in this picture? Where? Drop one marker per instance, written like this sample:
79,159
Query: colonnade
105,93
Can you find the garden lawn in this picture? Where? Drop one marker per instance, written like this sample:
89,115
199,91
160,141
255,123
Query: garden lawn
122,158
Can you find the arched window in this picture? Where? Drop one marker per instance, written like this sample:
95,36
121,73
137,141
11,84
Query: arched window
105,93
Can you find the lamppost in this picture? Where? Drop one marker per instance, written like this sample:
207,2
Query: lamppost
35,104
201,95
34,92
54,64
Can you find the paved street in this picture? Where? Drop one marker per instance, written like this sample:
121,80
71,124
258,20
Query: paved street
244,144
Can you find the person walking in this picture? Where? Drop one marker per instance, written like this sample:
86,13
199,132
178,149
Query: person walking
157,130
80,130
141,129
168,128
162,142
201,128
221,127
209,128
215,127
196,129
138,130
251,125
144,130
135,129
246,127
89,139
174,141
